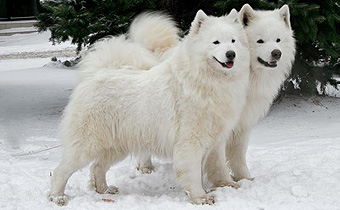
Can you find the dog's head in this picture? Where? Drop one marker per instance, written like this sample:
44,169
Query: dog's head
270,36
220,42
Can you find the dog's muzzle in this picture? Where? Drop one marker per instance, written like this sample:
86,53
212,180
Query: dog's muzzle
228,64
230,59
276,55
271,64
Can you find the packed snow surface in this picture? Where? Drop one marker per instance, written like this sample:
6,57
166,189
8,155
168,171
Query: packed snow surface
294,152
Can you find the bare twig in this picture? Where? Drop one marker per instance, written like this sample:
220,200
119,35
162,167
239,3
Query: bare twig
36,151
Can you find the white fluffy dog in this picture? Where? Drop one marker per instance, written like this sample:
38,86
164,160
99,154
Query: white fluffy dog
272,51
178,109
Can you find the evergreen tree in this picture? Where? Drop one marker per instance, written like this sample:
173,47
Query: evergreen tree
87,21
317,30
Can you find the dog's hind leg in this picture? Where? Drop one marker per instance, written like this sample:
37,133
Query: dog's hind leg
216,168
144,163
236,154
72,161
99,168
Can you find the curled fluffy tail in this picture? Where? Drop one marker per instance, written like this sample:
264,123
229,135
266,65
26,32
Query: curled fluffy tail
150,36
113,53
156,31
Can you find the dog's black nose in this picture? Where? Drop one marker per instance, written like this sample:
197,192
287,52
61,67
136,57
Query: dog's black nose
276,54
230,55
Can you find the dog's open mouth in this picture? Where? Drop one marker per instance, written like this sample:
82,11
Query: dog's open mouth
228,64
271,64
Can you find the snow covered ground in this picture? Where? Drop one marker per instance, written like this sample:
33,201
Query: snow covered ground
294,152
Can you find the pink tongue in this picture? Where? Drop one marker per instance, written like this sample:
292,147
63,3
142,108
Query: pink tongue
229,64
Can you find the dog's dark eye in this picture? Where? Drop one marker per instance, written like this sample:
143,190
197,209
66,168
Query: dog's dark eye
233,41
216,42
260,41
278,40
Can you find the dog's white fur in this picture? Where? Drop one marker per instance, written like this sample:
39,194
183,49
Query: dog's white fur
178,109
157,32
264,82
113,53
150,36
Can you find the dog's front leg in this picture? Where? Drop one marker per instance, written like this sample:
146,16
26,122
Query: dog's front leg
236,151
144,164
218,173
187,163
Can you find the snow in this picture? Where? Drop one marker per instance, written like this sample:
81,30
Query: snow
33,43
21,29
294,152
330,90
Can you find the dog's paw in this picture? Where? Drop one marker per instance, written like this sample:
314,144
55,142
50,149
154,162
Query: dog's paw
210,190
239,178
145,169
227,184
111,190
60,200
210,200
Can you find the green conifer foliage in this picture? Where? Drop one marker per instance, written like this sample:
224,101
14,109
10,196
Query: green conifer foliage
87,21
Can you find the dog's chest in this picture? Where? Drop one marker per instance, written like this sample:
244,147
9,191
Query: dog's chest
263,88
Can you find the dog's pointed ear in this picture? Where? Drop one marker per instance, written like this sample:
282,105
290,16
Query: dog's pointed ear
285,14
233,15
196,24
246,14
